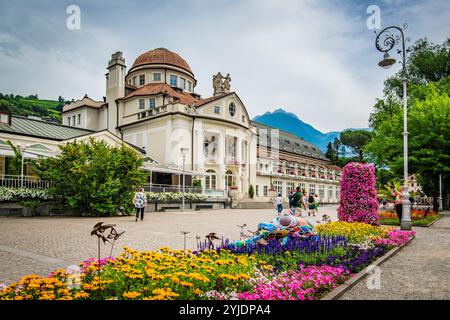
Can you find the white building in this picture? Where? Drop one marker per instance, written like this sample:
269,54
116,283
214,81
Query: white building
154,107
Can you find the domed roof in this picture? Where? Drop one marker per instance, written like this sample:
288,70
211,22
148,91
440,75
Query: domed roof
162,56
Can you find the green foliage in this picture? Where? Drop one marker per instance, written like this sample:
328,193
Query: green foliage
17,160
197,183
95,178
32,106
429,138
251,191
356,140
426,63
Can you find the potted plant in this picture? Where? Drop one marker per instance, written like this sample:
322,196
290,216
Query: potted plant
251,192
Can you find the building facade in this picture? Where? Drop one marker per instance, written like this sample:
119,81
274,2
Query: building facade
154,106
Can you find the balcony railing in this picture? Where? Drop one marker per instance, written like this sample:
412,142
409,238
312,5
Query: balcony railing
30,182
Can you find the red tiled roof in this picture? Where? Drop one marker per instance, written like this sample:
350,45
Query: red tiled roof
206,100
158,88
162,56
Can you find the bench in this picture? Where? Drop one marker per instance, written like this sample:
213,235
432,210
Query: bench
204,206
169,207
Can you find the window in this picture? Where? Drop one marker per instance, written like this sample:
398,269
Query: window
157,77
189,86
173,80
278,185
337,193
134,81
152,103
141,79
289,187
141,103
4,118
217,109
330,192
232,109
243,118
73,120
68,121
321,192
210,179
265,189
257,190
312,188
182,83
79,118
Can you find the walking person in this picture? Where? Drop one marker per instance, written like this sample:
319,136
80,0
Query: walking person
291,198
140,202
279,203
398,204
311,205
303,202
297,202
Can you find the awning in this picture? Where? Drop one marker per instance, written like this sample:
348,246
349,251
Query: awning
165,169
27,155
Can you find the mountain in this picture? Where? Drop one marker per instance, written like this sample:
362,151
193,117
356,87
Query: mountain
289,122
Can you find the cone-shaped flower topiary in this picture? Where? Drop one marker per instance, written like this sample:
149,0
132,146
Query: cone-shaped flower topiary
359,201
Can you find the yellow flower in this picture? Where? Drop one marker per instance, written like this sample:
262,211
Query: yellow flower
131,295
81,295
186,284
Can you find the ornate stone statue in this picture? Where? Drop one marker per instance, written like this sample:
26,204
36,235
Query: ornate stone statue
221,84
226,83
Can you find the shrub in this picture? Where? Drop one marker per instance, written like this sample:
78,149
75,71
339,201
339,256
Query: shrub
359,201
93,177
251,191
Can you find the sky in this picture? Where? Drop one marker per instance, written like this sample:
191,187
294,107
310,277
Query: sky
315,58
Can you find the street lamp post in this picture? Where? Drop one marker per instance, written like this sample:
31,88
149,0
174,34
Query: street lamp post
393,36
184,152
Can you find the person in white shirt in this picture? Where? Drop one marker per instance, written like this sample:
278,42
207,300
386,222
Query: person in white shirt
279,203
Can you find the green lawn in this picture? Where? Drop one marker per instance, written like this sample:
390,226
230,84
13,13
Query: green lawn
416,223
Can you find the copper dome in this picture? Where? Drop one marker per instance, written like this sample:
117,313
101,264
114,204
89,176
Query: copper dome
162,56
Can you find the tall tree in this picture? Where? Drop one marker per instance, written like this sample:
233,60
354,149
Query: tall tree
356,140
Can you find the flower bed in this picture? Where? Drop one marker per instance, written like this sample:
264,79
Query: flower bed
175,197
418,217
294,269
9,194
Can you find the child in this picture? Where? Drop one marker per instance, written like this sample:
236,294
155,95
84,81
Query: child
279,203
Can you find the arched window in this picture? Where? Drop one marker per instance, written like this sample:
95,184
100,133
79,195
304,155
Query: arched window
232,109
229,179
210,179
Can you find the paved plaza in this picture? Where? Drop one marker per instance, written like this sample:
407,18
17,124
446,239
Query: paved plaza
41,244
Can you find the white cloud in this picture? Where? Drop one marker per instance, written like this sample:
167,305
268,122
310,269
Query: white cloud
316,59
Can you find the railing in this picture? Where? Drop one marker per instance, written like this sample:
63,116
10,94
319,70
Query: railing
30,182
187,189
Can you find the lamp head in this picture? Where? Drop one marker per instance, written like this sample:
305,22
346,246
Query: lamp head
184,152
387,61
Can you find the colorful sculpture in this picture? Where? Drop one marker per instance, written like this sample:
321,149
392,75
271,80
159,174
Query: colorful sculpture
291,224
